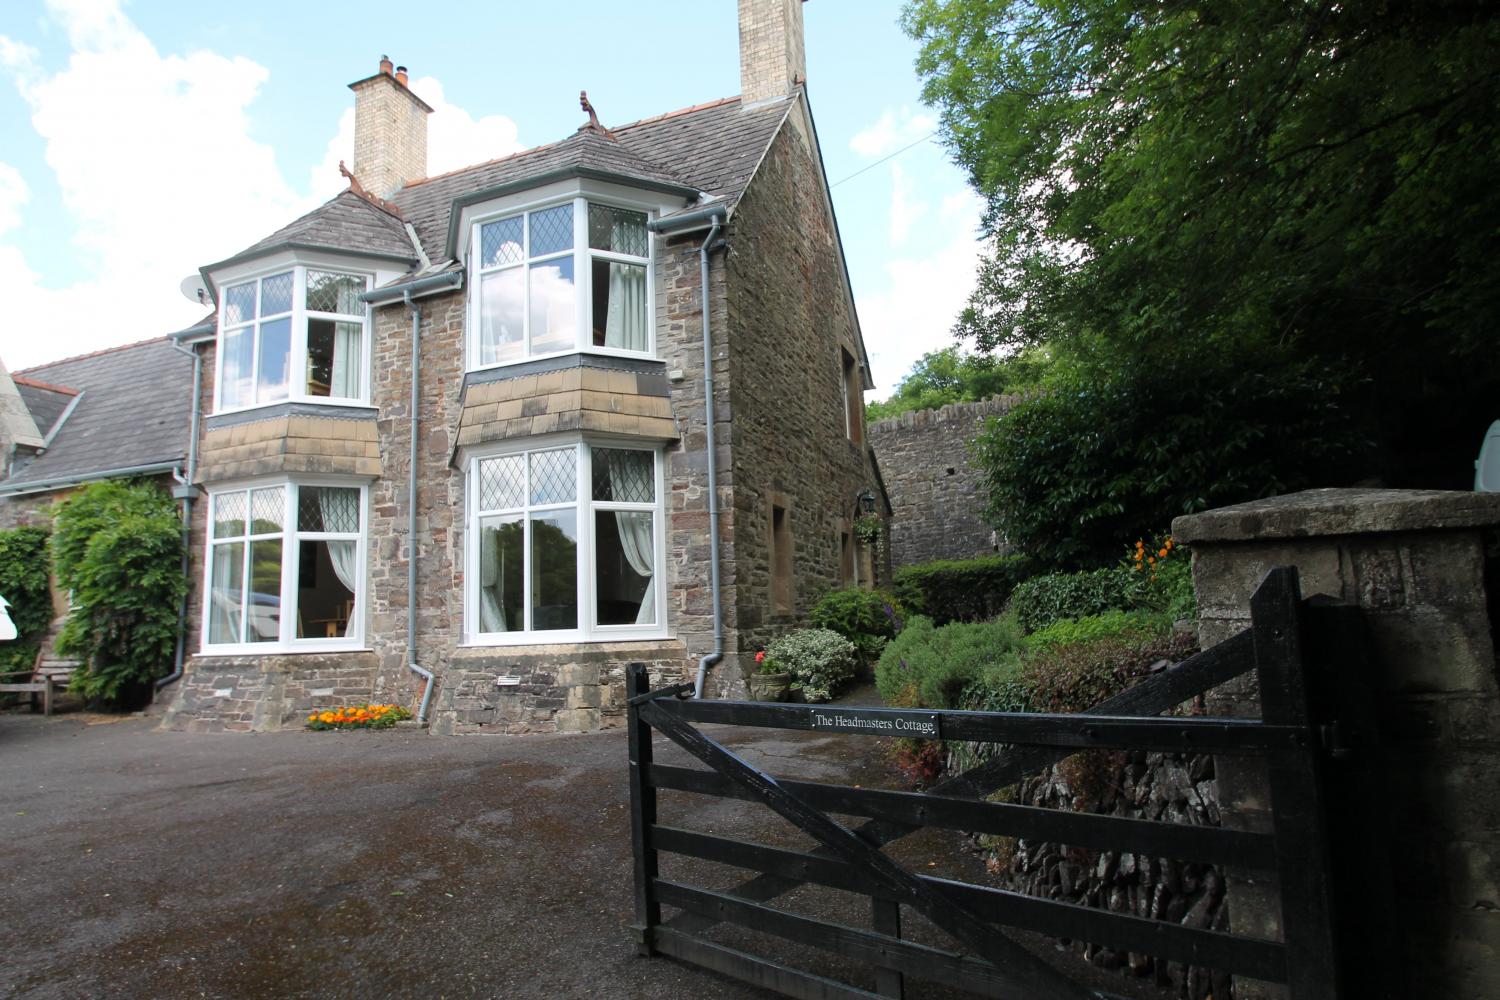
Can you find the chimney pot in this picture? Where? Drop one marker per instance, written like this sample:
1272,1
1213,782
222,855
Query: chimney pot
385,65
401,75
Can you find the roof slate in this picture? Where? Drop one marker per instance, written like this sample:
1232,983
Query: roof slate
347,222
712,148
45,403
134,408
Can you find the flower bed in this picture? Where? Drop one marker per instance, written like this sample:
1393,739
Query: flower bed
358,717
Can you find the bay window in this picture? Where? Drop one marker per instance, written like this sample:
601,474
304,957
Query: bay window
299,334
563,278
565,542
285,567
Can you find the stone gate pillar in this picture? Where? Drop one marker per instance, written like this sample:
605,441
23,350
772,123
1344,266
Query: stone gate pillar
1415,563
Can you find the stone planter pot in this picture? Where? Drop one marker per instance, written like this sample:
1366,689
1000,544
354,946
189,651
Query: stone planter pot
769,687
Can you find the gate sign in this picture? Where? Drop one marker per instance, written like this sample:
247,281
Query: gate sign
880,722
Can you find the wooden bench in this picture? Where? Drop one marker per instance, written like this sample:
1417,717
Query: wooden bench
49,674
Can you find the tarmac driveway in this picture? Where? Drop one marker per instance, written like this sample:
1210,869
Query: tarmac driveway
151,864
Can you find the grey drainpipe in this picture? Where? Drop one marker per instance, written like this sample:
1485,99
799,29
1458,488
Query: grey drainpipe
713,216
186,492
411,518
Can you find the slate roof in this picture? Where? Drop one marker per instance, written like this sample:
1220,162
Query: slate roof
709,148
134,408
45,402
346,222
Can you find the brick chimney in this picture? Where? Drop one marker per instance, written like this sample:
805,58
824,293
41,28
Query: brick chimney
390,131
772,57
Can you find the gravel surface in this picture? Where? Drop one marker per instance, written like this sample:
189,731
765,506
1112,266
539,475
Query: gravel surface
152,864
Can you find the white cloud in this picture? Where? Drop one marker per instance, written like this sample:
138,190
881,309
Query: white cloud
918,301
906,211
455,139
13,194
891,131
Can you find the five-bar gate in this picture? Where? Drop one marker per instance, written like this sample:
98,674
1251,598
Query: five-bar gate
984,960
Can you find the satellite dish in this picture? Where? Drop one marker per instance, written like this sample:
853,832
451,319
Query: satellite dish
194,289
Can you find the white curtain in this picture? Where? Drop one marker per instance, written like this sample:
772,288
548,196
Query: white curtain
635,540
345,377
491,579
340,508
625,324
224,591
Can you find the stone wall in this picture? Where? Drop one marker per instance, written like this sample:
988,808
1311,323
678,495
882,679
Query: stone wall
937,497
790,321
262,693
1414,564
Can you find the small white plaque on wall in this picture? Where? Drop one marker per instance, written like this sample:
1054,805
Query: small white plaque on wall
504,682
223,692
321,692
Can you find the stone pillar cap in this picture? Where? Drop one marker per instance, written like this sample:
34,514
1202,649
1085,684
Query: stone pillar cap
1320,513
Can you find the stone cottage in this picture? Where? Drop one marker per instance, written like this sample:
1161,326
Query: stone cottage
466,438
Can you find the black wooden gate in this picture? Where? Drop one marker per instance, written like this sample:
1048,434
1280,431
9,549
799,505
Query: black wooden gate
986,961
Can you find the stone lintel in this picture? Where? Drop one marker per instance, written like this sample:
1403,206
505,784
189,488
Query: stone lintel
1328,512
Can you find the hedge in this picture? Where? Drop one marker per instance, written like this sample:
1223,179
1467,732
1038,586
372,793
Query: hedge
966,590
24,569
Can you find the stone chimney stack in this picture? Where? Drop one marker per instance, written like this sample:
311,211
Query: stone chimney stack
772,56
390,131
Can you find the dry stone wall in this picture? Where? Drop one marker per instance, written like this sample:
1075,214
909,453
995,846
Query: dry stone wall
937,497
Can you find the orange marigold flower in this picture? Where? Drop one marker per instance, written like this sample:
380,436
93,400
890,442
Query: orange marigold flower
1151,560
1162,553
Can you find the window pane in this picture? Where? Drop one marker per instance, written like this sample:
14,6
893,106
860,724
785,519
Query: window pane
553,324
229,515
552,230
274,369
239,348
501,315
500,242
327,581
276,294
617,229
624,564
554,476
267,510
335,293
328,508
619,306
239,304
265,591
554,570
333,356
502,483
226,591
624,476
502,565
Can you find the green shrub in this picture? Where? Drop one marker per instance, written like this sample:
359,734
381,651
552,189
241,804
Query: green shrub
930,667
1075,676
1042,600
1123,625
867,618
964,590
1071,473
23,583
118,548
820,661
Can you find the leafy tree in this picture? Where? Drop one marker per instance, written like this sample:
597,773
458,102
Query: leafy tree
950,376
23,583
118,548
1310,178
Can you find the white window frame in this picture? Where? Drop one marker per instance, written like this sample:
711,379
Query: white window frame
588,629
291,554
583,256
297,387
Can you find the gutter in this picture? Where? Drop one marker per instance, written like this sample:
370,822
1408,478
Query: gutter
407,290
57,482
187,493
713,217
411,502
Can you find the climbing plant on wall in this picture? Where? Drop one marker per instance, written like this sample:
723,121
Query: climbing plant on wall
118,548
23,583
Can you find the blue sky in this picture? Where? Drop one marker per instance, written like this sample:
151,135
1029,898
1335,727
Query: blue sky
141,140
